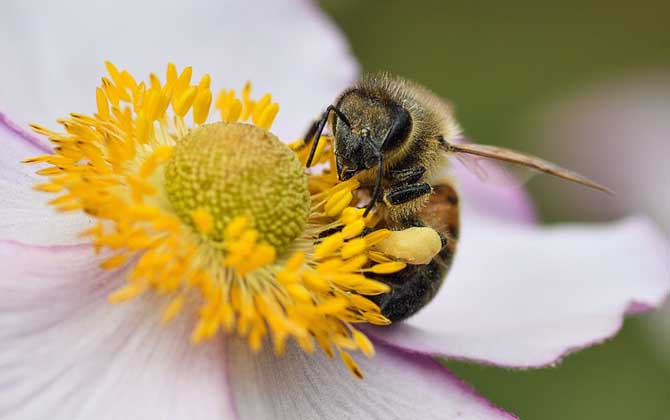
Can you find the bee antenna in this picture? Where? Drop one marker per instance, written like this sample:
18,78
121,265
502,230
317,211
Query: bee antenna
317,130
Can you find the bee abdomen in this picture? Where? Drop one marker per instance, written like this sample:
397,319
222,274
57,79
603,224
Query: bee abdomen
416,285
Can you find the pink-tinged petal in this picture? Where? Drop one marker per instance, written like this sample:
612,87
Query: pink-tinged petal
396,385
288,48
24,213
524,296
68,354
496,197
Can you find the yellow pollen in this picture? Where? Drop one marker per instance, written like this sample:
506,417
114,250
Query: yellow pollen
220,218
363,343
173,308
353,247
388,267
203,221
353,229
351,364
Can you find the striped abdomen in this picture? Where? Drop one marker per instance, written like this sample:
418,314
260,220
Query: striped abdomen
416,285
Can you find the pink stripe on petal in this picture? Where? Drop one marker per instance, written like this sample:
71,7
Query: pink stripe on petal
20,133
24,213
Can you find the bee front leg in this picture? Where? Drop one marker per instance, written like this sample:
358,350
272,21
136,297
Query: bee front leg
311,131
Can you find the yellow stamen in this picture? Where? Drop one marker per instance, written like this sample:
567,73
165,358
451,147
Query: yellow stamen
353,229
364,343
173,308
353,247
203,221
329,246
172,206
114,262
388,267
236,227
296,261
377,236
126,293
201,105
351,365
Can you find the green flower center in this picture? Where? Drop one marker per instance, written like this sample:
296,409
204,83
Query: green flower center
234,169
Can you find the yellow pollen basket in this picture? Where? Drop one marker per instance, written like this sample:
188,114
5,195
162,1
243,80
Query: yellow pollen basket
221,218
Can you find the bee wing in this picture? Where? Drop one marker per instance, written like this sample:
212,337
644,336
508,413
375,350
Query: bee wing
494,172
512,156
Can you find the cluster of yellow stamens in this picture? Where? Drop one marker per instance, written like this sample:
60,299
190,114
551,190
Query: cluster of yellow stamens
228,266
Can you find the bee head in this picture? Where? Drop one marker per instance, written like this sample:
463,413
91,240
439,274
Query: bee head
354,152
359,138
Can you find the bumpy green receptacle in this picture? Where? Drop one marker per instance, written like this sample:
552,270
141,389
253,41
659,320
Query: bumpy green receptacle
239,169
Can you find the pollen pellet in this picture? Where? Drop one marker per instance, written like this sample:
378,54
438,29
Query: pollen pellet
416,245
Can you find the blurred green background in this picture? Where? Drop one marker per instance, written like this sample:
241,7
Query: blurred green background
497,62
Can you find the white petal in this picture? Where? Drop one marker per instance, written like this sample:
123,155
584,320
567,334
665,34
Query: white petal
68,354
525,296
57,50
24,213
397,385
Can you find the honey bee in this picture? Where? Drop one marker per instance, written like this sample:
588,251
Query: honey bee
395,136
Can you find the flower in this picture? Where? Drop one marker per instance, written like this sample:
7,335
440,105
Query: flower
540,293
219,215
